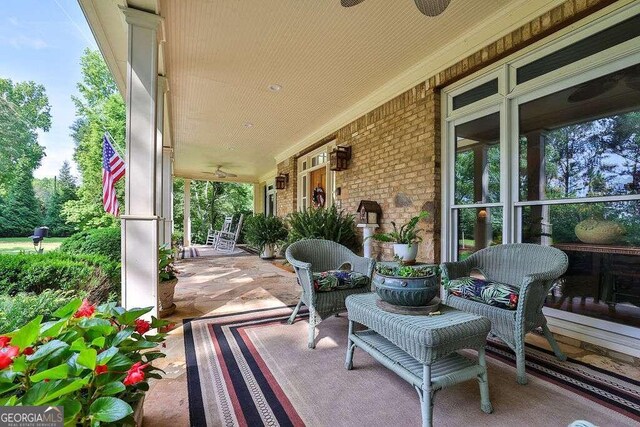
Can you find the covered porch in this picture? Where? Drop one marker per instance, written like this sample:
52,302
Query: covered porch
507,121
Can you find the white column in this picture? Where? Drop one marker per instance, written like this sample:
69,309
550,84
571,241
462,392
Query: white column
140,221
258,199
167,193
187,213
367,231
160,183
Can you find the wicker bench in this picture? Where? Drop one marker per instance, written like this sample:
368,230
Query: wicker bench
421,349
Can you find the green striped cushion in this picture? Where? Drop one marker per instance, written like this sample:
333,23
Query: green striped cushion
493,293
333,280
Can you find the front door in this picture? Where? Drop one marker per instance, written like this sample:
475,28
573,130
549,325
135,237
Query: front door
318,183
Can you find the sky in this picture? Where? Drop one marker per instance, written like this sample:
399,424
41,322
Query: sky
43,40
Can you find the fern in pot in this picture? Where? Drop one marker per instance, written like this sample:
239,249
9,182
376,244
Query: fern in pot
264,233
405,239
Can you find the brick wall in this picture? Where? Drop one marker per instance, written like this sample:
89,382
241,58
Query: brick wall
286,200
396,147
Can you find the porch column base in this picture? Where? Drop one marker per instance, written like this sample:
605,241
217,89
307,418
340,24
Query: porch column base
139,276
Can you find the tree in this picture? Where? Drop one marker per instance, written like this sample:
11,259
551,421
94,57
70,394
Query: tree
24,109
20,212
64,190
99,108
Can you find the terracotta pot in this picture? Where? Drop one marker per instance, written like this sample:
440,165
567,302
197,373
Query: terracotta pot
405,252
166,290
599,231
138,412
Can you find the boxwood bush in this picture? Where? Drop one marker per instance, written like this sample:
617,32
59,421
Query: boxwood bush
101,241
57,270
21,308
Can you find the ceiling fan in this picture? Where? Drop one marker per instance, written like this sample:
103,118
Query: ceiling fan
219,173
426,7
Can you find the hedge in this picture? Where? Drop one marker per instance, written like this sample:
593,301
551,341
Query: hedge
101,241
20,309
97,275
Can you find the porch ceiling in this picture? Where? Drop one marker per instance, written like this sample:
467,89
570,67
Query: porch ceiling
333,63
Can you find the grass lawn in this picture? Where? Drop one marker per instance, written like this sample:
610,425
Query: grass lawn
13,245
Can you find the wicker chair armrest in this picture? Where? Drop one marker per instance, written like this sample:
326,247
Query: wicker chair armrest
299,264
455,270
362,265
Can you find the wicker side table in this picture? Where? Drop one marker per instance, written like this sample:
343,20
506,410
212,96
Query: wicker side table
421,349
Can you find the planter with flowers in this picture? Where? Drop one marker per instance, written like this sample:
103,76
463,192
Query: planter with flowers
93,361
168,281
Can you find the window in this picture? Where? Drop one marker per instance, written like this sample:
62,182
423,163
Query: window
558,164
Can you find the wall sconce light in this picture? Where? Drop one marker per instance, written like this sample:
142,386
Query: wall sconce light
281,181
339,158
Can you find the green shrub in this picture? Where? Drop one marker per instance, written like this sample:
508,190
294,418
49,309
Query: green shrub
19,309
264,230
329,224
101,241
59,271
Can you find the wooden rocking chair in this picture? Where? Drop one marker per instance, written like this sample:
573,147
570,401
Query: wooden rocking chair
227,240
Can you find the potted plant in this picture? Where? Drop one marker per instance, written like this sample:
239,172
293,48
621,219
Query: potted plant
264,233
406,285
405,239
95,362
168,281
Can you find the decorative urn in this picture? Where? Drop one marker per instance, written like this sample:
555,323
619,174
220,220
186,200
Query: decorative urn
599,231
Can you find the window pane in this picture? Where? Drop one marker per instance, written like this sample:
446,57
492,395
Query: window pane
477,162
602,241
478,228
583,141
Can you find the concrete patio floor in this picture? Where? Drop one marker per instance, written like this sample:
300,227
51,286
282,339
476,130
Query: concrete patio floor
225,284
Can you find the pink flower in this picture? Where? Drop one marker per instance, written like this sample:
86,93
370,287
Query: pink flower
135,374
142,326
86,310
7,354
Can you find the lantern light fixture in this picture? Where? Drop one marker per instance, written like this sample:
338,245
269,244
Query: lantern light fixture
281,181
339,158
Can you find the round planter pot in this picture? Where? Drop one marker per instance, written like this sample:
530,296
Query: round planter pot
599,232
268,252
166,290
407,253
138,412
406,291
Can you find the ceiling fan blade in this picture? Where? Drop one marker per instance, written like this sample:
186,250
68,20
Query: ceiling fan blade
431,7
349,3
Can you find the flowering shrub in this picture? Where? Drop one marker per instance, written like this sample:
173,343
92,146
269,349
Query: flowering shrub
93,361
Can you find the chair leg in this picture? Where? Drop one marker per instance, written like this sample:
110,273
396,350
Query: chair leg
312,328
483,380
350,347
292,318
554,344
520,363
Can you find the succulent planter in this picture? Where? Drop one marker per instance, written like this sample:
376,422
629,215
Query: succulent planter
407,291
599,232
166,290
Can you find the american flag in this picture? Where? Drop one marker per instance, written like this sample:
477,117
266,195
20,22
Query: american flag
112,171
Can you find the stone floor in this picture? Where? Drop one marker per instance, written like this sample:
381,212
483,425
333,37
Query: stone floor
224,284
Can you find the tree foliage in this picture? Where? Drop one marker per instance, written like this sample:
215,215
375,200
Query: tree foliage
20,211
99,108
24,109
64,190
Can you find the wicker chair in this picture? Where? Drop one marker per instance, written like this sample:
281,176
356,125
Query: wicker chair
315,255
533,268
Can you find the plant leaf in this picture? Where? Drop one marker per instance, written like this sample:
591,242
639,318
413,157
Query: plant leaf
71,409
60,388
122,335
47,349
53,328
27,335
69,309
129,316
112,388
88,358
106,355
56,373
109,409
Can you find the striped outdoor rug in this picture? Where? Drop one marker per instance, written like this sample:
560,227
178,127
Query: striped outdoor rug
252,369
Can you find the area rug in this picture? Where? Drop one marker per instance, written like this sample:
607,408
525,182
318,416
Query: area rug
252,369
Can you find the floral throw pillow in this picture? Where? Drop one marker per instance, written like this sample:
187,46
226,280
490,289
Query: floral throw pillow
333,280
493,293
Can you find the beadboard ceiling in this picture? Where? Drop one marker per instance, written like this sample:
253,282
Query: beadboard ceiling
333,64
